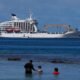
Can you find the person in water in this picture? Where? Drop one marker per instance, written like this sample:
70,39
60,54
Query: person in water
40,71
29,67
56,72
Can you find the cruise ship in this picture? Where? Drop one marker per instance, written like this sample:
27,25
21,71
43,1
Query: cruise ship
27,28
24,36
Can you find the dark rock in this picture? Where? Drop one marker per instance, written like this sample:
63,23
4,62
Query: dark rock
14,59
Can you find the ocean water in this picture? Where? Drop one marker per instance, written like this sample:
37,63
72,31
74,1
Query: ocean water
65,51
14,70
35,48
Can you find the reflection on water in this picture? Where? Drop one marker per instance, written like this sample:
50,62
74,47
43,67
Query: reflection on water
28,77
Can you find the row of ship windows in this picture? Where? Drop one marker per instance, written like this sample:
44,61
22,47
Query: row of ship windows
20,25
17,24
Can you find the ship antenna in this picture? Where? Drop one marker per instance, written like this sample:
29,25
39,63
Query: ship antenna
30,15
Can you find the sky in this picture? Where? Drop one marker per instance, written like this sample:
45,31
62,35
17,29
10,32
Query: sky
45,11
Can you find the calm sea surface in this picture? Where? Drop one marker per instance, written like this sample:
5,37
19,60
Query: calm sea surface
14,70
42,52
48,48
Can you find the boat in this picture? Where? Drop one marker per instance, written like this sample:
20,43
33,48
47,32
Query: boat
23,36
27,28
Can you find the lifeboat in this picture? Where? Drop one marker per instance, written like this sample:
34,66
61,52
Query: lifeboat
9,30
16,30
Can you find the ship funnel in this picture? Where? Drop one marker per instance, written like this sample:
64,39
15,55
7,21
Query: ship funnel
14,17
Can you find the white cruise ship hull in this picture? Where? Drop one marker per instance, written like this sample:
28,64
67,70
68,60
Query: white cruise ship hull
41,35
